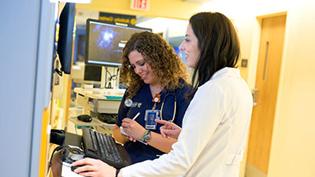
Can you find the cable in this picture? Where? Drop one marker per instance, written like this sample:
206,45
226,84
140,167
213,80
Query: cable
58,148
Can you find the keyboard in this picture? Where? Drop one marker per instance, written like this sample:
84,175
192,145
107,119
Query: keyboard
100,146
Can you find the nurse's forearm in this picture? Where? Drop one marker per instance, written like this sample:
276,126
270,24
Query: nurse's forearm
118,136
161,143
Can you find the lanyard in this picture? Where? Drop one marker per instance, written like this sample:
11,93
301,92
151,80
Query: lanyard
156,99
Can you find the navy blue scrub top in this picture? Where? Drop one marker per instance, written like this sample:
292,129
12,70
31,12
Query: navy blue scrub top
142,101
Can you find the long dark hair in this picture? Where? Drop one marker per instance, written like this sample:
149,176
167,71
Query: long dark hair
218,44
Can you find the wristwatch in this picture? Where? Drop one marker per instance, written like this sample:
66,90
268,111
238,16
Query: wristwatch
146,137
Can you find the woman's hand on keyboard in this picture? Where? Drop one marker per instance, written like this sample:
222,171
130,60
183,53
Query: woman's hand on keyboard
94,168
133,129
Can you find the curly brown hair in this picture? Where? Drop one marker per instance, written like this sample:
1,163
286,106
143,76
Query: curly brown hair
166,65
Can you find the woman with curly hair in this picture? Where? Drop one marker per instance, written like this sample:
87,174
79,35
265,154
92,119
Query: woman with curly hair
157,88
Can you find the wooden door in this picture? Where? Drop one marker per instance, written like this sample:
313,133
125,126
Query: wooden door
266,88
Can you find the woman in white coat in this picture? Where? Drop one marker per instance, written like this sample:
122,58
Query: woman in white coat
215,127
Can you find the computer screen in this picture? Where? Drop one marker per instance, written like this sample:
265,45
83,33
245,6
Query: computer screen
105,42
92,73
65,36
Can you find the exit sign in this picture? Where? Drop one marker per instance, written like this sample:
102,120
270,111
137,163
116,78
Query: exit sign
140,4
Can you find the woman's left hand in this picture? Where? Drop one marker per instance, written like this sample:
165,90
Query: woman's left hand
93,168
133,129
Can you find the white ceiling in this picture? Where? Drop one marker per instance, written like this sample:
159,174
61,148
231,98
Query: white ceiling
169,27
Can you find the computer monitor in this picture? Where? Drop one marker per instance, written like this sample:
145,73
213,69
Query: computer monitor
105,42
86,74
65,36
92,73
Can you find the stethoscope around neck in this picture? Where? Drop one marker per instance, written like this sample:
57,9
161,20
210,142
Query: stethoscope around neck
162,106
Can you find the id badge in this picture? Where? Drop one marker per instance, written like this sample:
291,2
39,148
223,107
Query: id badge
150,116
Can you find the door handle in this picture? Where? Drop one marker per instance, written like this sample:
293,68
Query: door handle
266,60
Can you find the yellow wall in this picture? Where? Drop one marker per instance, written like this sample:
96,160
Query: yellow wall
157,8
293,144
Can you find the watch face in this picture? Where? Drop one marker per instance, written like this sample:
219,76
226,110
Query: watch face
147,136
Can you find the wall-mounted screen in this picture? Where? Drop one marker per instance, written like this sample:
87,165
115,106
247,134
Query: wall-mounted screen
65,36
105,42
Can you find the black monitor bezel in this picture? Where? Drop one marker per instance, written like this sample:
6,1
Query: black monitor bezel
65,36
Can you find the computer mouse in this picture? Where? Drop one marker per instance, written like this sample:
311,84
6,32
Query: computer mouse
75,167
85,118
72,154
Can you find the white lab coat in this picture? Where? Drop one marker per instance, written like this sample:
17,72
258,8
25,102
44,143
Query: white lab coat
213,136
